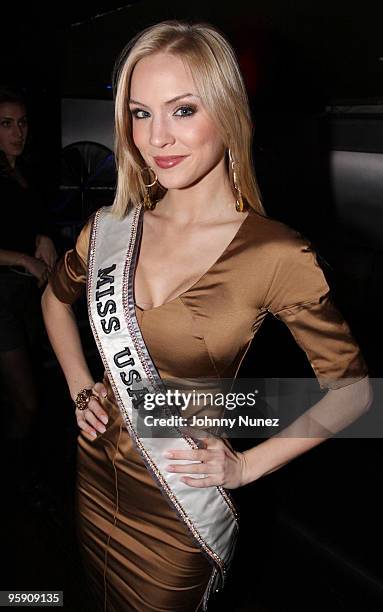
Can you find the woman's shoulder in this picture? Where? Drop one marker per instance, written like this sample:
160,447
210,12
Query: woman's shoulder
82,243
83,239
276,237
287,263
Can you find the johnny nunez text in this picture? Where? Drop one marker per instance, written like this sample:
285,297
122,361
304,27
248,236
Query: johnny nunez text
195,421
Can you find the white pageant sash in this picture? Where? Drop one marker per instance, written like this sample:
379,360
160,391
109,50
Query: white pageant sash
209,513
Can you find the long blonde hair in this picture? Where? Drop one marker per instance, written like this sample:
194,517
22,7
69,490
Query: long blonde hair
218,79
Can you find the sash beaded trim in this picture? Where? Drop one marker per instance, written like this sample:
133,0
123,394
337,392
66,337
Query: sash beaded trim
223,532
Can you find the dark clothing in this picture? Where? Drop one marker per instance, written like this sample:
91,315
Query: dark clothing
23,215
20,312
23,218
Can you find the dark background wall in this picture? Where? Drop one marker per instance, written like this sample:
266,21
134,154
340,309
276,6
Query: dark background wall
296,56
332,49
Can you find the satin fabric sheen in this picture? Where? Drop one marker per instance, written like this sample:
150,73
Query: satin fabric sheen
138,553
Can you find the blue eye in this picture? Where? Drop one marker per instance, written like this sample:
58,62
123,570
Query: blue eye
182,111
190,110
136,111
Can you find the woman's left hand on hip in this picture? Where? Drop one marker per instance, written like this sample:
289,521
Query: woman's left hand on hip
220,464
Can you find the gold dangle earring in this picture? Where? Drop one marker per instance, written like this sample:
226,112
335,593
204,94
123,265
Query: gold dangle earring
149,205
239,205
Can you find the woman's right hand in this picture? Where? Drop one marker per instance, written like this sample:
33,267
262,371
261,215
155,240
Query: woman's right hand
94,418
38,268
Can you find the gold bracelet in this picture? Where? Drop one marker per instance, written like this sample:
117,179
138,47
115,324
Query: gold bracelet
82,398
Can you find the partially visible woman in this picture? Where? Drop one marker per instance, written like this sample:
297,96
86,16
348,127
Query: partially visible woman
27,255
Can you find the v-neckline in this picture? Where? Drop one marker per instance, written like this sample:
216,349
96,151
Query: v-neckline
201,278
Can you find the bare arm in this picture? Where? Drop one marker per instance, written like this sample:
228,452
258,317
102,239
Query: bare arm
338,409
34,266
64,336
13,258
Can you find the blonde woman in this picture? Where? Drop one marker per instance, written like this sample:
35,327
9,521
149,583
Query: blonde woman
181,272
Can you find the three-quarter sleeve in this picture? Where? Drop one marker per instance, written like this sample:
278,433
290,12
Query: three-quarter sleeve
299,295
68,279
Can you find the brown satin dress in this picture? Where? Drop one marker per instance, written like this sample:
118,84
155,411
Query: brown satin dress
138,553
